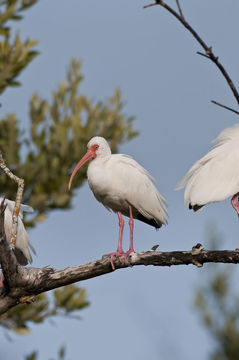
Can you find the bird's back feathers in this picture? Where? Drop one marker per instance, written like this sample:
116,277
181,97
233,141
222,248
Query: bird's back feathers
119,182
215,176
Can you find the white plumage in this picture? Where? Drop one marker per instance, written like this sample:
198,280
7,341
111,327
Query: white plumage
215,177
23,243
122,185
119,182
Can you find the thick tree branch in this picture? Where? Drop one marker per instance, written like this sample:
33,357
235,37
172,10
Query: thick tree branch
208,49
7,303
33,281
101,267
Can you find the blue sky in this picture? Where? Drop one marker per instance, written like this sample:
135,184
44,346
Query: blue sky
141,312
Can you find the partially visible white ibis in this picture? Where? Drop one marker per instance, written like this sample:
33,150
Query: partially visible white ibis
215,177
23,244
125,187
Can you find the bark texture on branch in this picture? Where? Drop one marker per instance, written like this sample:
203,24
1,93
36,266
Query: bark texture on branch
32,281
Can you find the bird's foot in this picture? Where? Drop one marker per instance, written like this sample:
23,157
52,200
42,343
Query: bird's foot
130,251
119,255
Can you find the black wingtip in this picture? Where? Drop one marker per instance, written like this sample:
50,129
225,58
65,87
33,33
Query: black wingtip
151,222
195,207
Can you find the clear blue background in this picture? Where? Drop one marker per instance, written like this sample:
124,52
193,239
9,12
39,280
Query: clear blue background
142,312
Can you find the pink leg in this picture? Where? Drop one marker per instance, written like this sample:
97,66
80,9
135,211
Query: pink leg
121,230
235,203
131,226
119,252
1,280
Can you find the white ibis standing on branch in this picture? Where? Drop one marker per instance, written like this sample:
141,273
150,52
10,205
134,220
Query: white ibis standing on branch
215,177
125,187
23,244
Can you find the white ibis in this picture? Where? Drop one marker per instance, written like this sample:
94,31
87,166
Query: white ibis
23,244
215,177
123,186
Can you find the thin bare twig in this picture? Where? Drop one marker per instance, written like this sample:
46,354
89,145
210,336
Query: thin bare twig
16,210
149,5
208,49
206,56
225,107
179,9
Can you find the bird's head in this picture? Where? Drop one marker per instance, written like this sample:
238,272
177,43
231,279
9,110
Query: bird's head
97,147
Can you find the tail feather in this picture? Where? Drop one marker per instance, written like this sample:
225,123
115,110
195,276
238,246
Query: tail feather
151,222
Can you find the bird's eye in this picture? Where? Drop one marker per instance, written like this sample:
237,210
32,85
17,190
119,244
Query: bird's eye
96,147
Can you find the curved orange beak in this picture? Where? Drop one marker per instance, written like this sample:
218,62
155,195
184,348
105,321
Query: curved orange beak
88,156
